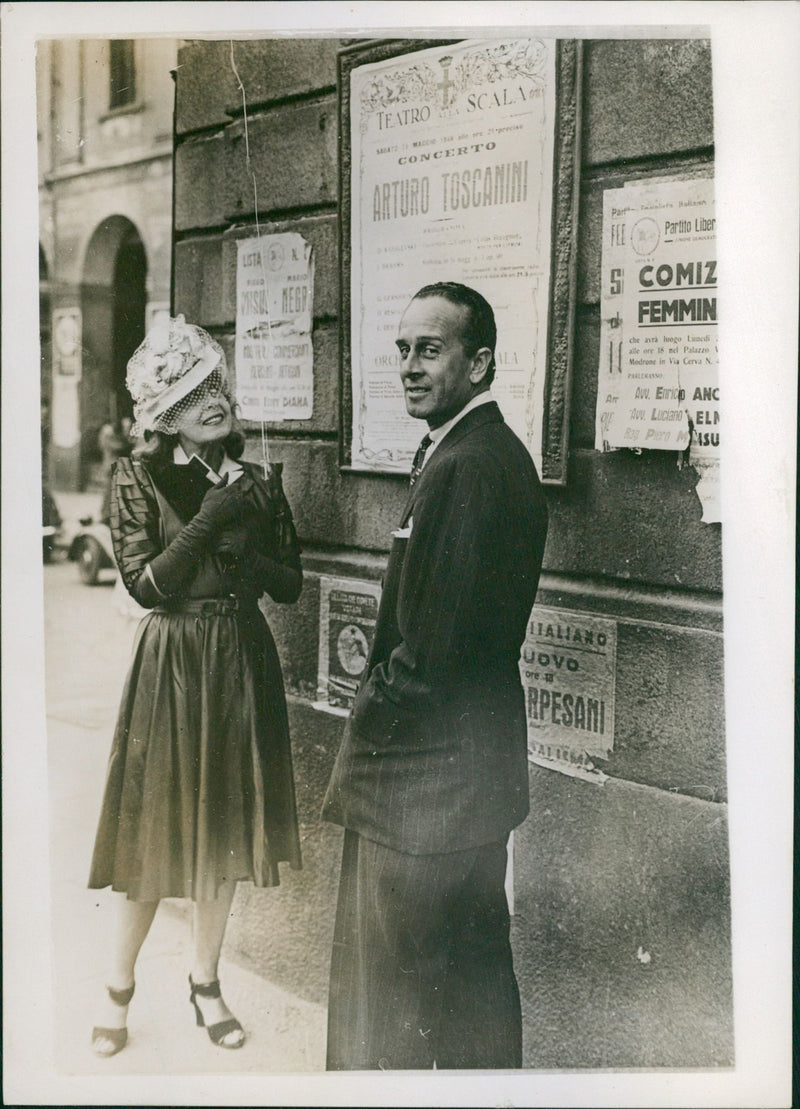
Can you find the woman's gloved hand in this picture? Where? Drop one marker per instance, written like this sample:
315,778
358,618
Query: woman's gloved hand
226,503
223,505
232,541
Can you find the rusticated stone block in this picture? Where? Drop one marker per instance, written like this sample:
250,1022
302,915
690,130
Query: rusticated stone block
622,911
293,155
332,508
198,281
670,717
200,182
633,518
206,85
646,97
277,68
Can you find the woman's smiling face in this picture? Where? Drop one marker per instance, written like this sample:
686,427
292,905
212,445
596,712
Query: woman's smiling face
207,421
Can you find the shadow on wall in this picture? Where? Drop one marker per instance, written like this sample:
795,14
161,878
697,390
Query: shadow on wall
621,934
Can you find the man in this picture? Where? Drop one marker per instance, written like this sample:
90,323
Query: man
432,773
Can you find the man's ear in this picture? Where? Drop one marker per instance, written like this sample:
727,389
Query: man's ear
480,364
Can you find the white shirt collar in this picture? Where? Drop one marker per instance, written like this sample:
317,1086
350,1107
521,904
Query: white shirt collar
227,466
439,433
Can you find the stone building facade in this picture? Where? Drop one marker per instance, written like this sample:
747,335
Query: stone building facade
105,201
622,918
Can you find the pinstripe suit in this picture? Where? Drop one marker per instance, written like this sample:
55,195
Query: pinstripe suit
432,772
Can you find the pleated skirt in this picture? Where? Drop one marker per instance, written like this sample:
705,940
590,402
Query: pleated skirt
199,789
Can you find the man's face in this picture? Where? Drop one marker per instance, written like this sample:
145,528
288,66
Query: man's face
437,373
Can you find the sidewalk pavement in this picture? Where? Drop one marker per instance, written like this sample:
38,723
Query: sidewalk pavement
87,650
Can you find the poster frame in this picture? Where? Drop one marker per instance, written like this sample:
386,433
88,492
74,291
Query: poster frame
564,245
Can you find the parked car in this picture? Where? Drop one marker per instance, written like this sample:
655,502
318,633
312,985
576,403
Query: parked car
51,524
91,549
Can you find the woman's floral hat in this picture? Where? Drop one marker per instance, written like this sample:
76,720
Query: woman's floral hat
174,360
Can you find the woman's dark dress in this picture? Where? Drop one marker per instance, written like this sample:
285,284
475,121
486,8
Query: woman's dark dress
199,788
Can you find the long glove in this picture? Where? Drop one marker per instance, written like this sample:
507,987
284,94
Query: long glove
281,581
170,570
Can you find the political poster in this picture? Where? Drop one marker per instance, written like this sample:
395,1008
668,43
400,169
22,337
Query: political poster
274,314
568,665
658,380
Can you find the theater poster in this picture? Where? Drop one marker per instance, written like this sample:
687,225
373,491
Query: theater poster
568,667
451,178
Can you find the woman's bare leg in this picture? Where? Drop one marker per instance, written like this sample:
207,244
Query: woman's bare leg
132,923
210,921
131,927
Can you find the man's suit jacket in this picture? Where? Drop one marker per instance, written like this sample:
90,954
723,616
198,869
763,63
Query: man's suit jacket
434,754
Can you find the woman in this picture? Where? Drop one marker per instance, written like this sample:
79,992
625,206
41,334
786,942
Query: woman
199,791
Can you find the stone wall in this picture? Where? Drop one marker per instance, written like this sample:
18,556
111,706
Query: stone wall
622,914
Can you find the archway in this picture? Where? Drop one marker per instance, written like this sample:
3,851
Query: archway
113,305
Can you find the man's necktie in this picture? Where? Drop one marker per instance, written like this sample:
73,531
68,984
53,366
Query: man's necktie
419,458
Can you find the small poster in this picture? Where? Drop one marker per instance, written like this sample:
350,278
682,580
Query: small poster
65,430
658,380
568,665
274,313
347,613
67,342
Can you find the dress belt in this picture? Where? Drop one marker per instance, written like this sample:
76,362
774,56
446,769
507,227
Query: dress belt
209,606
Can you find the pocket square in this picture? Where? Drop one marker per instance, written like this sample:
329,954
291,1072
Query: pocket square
403,533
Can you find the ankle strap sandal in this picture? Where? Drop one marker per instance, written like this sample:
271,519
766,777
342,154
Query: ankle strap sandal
218,1032
116,1037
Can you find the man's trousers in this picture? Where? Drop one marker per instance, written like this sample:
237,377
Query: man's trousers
422,972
